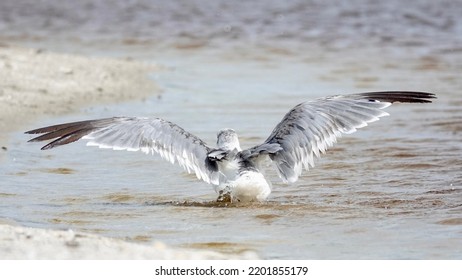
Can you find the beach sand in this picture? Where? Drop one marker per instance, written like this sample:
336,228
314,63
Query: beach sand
33,243
35,84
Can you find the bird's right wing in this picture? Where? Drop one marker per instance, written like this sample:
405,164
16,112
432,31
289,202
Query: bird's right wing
149,135
311,127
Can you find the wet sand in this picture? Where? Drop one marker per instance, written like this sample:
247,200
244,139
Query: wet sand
42,244
36,83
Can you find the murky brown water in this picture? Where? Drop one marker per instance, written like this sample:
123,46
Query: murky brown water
392,190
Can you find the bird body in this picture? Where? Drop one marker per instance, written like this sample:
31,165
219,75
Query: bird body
303,134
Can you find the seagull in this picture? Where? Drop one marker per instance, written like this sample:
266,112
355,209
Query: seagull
302,135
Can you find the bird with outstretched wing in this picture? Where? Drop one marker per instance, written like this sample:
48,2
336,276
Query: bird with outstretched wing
303,134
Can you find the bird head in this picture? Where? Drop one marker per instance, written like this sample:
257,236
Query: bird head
227,140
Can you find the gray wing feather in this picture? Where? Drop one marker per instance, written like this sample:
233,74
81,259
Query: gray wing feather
149,135
311,127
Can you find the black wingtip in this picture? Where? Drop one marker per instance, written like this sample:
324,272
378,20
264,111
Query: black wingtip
34,131
65,133
400,96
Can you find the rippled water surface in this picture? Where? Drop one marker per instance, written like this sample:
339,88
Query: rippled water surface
392,190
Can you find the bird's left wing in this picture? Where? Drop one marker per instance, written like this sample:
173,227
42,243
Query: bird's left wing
311,127
149,135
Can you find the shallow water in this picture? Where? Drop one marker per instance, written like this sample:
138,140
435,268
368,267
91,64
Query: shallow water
392,190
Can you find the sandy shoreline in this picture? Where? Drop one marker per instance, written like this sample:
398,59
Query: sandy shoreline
33,243
35,84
